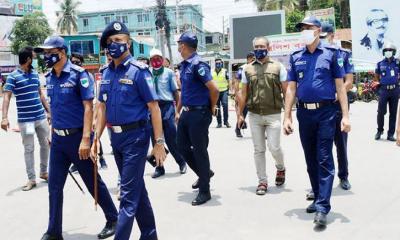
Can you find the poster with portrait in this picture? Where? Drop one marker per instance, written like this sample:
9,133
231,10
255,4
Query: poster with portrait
373,24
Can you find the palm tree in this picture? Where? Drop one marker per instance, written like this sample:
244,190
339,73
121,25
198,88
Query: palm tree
268,5
67,17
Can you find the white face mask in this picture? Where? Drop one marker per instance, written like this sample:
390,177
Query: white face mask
308,36
388,54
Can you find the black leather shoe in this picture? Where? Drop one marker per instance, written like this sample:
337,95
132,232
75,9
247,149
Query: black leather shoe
47,236
103,164
378,135
108,230
196,185
345,184
219,125
183,168
201,198
310,196
238,133
227,125
391,138
320,219
311,208
158,173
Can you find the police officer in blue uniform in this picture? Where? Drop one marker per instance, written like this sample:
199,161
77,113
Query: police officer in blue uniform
127,96
71,92
198,101
387,73
315,75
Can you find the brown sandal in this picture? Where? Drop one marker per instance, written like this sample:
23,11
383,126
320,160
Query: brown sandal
262,189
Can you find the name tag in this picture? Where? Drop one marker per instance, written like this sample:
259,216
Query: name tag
126,81
392,73
67,85
105,82
300,63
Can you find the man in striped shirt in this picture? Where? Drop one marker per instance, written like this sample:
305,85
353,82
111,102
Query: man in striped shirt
31,107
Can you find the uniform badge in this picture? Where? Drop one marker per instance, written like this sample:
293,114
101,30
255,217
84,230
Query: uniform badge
117,26
85,82
202,71
105,97
301,74
351,61
340,62
126,81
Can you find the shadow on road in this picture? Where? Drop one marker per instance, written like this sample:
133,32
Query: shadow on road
271,190
301,214
79,236
19,189
188,197
338,191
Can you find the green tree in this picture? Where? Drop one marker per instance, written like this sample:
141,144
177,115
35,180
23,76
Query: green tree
292,19
67,22
30,30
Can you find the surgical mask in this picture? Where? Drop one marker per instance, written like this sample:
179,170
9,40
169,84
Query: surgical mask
260,53
388,54
35,64
324,41
218,65
116,50
156,63
308,36
51,59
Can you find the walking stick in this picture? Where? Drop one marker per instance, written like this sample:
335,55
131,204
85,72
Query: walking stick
76,182
95,181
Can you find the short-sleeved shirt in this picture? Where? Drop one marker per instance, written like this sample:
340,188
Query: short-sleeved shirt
66,95
126,90
282,75
315,73
166,85
26,87
195,74
347,61
388,71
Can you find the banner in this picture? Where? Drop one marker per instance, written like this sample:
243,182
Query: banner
20,7
324,15
373,24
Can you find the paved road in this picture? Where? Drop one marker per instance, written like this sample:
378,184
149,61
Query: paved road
369,211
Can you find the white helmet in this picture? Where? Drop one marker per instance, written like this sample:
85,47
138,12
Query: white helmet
389,46
155,52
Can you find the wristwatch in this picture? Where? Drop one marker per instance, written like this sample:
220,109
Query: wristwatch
160,141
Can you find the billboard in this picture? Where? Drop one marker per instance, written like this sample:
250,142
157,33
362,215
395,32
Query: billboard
7,24
373,24
326,15
20,7
244,28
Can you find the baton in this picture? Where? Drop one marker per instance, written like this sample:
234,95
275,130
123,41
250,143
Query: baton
76,182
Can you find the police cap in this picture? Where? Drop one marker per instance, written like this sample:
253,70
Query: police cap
310,21
189,38
113,28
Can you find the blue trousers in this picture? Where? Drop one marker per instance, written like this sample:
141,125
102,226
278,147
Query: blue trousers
63,153
317,131
386,97
170,132
130,150
193,143
341,146
223,100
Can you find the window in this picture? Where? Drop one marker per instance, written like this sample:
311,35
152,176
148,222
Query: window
139,18
146,17
118,18
141,48
209,40
107,20
85,22
125,19
83,47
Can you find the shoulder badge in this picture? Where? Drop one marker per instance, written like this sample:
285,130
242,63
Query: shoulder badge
340,62
85,82
202,71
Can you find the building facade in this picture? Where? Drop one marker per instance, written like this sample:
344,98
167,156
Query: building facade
141,22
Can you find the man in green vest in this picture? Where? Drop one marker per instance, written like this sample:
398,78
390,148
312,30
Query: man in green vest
220,76
262,90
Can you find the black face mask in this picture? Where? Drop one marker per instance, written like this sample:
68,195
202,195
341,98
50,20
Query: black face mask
78,63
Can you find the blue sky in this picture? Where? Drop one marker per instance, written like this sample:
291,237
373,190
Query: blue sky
213,10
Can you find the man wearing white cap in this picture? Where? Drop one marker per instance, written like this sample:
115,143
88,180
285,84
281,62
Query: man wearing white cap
167,91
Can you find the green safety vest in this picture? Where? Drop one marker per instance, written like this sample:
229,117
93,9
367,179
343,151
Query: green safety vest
220,79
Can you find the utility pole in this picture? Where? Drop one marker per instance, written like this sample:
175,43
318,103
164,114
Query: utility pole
178,30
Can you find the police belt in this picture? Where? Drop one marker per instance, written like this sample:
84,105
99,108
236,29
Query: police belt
316,105
130,126
163,102
194,108
66,132
390,87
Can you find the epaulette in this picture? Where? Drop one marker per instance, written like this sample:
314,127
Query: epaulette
345,50
77,68
101,70
297,50
332,47
138,64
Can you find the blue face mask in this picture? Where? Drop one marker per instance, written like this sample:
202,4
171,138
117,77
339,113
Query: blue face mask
219,65
260,53
35,64
51,59
116,50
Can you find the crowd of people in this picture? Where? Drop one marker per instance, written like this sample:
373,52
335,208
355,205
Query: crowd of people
143,100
